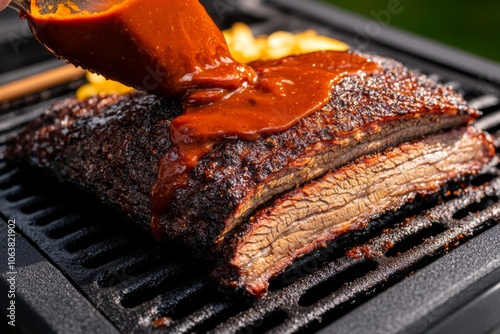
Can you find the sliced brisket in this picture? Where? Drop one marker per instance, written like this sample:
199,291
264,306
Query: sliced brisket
345,200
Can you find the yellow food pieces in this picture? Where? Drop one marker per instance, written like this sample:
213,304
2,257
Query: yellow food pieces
244,47
98,84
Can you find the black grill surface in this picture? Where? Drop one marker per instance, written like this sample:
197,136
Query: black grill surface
413,270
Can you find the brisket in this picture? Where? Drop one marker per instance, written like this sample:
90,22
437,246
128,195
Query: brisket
111,146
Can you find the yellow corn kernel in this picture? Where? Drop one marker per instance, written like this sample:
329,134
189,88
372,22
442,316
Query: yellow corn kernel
245,48
317,43
98,84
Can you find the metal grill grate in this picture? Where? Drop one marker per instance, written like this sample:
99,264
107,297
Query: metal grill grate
140,286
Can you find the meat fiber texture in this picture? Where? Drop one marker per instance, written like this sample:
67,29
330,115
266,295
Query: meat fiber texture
346,199
112,145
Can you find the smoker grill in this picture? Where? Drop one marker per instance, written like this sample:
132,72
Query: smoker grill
431,267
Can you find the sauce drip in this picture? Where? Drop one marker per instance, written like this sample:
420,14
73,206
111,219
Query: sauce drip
176,50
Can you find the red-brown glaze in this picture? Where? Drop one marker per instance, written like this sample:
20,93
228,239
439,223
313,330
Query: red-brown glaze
177,50
285,91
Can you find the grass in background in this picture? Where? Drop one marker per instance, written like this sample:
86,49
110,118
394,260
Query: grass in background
473,26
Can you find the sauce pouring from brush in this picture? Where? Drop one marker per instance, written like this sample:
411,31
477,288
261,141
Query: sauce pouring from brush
173,48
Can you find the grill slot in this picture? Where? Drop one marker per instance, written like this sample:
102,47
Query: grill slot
413,240
484,178
31,205
9,180
155,282
207,318
485,202
4,168
52,215
101,253
134,265
83,238
63,224
267,323
139,286
334,283
194,296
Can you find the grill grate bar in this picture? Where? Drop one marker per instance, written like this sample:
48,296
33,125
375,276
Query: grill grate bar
9,179
52,215
138,263
79,241
488,122
105,252
62,224
4,167
166,275
192,291
13,121
484,101
205,316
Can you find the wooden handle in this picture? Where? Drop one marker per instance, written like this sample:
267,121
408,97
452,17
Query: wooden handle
40,82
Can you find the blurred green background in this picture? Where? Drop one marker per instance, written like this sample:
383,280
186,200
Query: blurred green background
473,26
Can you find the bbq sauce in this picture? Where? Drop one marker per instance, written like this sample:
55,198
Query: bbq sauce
165,47
173,48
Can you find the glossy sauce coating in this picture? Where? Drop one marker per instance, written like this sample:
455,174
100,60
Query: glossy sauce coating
285,91
175,49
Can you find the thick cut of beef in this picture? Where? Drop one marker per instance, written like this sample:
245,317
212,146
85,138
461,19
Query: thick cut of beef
345,200
112,146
